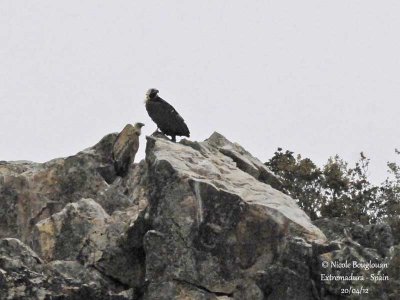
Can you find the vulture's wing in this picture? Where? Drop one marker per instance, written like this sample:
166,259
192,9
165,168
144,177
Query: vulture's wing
166,117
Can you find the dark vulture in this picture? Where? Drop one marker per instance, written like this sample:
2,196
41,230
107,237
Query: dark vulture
125,148
165,116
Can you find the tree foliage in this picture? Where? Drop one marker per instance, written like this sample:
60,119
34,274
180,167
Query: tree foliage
389,201
300,179
339,190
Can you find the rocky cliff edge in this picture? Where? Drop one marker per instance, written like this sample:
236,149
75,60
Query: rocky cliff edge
195,220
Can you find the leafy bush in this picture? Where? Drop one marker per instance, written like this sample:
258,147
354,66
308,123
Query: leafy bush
338,190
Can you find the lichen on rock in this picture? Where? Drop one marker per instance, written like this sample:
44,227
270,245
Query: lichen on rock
194,220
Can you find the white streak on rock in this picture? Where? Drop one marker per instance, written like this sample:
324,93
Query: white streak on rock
199,202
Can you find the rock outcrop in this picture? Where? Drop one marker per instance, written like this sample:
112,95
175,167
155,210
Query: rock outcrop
195,220
63,235
213,225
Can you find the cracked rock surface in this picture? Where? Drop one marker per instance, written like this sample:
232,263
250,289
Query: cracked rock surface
194,220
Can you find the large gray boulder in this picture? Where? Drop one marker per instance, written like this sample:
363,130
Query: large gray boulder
63,235
31,192
23,275
213,224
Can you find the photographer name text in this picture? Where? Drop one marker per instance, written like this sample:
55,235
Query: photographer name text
354,265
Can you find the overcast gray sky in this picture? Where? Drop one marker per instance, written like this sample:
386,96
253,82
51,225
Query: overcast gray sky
315,77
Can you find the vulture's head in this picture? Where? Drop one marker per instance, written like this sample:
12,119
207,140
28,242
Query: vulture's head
151,93
138,127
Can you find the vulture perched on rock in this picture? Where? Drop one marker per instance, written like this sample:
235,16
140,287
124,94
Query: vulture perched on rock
125,148
165,116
